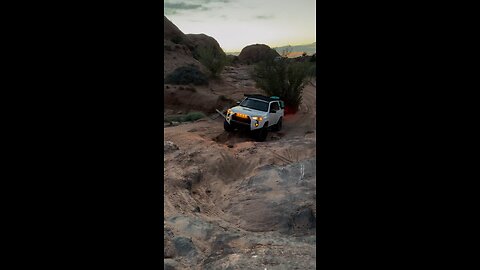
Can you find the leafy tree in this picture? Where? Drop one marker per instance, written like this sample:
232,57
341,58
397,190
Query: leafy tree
279,77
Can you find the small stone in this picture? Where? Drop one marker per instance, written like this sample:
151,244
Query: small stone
169,264
169,146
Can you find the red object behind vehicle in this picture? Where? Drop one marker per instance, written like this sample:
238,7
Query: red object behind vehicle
289,110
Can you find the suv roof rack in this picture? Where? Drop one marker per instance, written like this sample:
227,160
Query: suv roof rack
262,97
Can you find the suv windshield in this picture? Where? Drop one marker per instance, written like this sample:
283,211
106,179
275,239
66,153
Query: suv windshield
255,104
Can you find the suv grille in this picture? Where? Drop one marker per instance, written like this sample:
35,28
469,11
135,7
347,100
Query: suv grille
240,119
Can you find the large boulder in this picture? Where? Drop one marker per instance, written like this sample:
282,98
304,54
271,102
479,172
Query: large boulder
177,50
171,31
202,41
256,53
175,35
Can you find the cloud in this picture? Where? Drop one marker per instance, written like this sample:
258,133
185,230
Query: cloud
215,1
264,17
174,7
170,12
180,5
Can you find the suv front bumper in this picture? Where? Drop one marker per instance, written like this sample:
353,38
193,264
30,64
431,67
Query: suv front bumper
253,125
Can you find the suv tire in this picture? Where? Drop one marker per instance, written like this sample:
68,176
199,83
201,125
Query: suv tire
279,125
261,134
227,126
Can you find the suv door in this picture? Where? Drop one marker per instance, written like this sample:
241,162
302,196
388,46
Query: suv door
274,116
280,110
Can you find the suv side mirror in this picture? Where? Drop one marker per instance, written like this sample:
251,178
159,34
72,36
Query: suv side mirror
273,111
238,102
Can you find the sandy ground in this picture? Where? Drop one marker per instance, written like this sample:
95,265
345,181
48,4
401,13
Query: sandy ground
231,202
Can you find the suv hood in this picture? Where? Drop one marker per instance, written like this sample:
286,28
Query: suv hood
248,111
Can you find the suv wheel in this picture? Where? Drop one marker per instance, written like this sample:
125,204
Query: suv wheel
261,134
279,124
227,126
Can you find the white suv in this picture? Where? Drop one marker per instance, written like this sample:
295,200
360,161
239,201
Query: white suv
258,114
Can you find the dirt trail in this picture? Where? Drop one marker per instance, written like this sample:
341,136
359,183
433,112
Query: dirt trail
231,202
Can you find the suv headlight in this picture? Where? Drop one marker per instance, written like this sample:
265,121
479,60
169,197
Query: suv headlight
229,111
259,118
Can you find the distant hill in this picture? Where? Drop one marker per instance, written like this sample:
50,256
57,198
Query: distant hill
310,49
296,50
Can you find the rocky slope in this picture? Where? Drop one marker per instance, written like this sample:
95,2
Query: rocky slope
232,203
179,48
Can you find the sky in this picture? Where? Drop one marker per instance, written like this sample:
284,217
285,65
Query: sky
238,23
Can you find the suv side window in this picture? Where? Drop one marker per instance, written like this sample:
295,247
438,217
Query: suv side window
274,106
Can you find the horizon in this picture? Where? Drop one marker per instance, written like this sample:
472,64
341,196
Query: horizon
237,24
275,47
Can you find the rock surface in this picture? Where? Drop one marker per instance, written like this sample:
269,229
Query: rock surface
202,41
178,49
171,31
169,146
255,53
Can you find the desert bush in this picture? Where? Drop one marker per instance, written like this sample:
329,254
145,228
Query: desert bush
283,78
187,75
177,39
212,60
286,51
231,60
193,116
312,71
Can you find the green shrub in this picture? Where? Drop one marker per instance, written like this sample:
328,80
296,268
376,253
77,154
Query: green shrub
214,61
194,116
313,71
177,39
283,78
187,75
231,60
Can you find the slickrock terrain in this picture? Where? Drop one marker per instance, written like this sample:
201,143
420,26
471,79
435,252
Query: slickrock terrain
231,202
